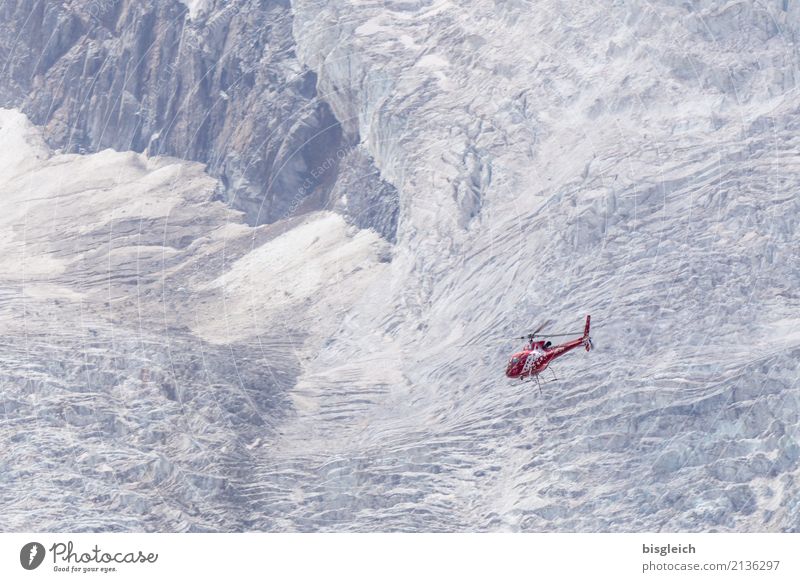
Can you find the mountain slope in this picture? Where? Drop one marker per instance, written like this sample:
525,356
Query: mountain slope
635,161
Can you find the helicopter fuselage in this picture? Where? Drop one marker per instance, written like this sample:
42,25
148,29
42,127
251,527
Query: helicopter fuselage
537,355
535,358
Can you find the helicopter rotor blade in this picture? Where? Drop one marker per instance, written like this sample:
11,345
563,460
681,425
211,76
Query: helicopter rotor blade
541,327
536,332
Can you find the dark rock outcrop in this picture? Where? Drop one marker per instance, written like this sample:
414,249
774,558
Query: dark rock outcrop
225,89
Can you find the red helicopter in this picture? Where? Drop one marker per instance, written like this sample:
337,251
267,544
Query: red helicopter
537,355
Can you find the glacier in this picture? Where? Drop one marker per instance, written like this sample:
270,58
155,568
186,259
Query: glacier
176,360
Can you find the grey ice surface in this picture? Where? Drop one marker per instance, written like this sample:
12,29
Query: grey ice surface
315,341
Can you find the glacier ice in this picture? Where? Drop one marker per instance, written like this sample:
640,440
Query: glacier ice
169,367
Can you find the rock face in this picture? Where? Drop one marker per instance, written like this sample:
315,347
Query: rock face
635,161
224,89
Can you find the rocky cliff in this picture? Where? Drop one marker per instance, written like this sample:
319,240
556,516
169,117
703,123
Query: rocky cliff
220,84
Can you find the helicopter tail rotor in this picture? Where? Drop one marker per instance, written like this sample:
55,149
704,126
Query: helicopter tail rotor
587,341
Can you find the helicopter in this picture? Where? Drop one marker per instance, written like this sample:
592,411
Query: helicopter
538,354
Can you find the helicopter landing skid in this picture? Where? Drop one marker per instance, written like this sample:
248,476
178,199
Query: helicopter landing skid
535,377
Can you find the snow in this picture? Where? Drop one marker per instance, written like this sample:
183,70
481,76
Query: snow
23,147
108,262
197,7
304,274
